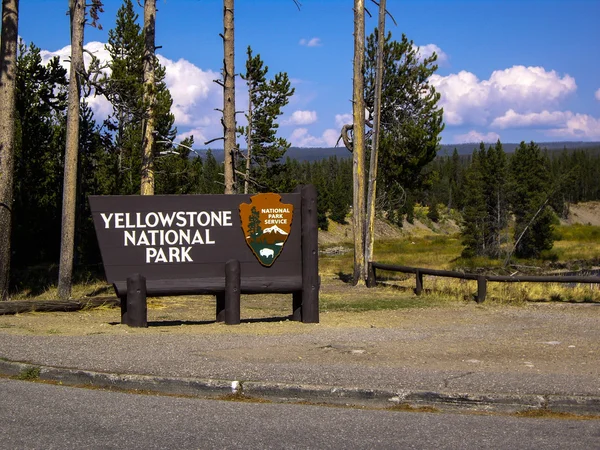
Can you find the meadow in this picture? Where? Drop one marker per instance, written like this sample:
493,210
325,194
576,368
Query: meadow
577,246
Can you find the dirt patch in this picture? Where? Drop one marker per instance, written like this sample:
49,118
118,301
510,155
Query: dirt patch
384,230
587,213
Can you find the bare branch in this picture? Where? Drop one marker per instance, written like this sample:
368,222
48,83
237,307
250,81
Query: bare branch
387,12
249,178
215,139
345,136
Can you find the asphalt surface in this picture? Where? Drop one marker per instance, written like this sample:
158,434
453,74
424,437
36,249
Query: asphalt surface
508,359
41,416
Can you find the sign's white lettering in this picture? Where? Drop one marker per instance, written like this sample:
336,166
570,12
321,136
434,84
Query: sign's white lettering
167,236
171,255
179,219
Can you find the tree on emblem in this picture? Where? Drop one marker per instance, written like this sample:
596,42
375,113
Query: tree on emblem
254,228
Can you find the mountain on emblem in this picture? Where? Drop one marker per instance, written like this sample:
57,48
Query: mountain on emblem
266,223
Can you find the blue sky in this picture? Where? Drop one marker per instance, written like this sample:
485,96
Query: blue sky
508,69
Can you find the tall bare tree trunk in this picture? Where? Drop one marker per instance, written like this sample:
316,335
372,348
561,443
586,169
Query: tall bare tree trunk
8,81
358,144
372,191
67,242
147,186
228,94
248,141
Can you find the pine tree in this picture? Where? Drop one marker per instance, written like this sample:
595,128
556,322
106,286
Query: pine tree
124,89
40,139
211,179
411,120
176,172
475,215
90,181
266,100
455,173
495,178
530,194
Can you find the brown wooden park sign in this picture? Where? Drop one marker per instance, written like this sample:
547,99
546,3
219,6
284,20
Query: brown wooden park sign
222,245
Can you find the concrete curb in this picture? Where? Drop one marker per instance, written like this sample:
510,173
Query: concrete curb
297,393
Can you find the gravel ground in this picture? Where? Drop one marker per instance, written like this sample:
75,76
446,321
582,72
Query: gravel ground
537,348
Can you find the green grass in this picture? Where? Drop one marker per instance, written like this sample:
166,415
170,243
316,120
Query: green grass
375,303
577,233
577,244
29,374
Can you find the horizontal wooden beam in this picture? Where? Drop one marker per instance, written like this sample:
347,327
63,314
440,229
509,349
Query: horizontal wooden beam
423,271
497,278
215,285
543,279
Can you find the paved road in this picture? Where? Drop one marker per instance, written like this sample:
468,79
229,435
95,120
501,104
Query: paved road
40,416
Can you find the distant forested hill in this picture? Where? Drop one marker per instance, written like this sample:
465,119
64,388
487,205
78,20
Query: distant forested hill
320,153
467,149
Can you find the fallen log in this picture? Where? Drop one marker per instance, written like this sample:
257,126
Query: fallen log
23,306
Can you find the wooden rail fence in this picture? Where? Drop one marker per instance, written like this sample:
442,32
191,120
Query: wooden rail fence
482,280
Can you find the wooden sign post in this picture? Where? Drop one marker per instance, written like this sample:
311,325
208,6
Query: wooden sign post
222,245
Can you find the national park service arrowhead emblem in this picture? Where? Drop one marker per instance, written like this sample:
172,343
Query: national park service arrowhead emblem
266,223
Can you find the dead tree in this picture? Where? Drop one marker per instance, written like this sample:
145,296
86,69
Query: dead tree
77,19
8,81
147,184
77,13
358,144
372,188
229,129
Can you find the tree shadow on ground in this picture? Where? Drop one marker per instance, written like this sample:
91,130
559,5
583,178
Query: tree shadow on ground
345,277
178,323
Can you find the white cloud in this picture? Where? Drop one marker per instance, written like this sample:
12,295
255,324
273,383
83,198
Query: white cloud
476,137
579,127
342,119
313,42
558,123
544,119
331,136
96,48
99,104
468,100
597,95
195,95
300,137
425,51
199,137
301,118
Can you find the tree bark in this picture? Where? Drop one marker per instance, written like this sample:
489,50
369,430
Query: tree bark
358,144
228,94
372,190
147,185
8,78
248,139
67,243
